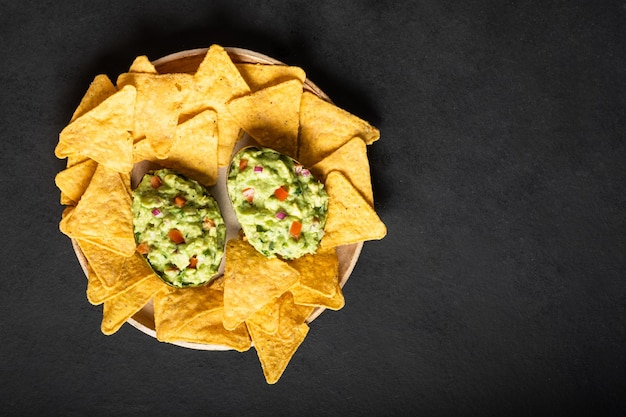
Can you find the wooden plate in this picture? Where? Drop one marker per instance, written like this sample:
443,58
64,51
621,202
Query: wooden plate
188,62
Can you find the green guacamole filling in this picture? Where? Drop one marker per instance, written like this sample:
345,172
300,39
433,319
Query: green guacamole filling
280,205
178,228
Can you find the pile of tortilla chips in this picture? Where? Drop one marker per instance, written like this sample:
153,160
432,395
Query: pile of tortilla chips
191,122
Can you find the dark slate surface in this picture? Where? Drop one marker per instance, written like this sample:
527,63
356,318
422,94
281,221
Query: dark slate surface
500,288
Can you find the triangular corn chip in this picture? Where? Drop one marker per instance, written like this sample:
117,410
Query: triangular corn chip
73,181
102,133
103,214
271,115
351,160
99,90
142,64
325,127
259,76
350,218
251,281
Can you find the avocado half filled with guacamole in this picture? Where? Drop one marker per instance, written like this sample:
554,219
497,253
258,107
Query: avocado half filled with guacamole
280,205
178,228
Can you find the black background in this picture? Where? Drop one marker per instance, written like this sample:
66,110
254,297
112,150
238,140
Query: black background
500,288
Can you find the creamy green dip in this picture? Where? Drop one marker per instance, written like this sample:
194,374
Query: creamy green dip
280,205
178,228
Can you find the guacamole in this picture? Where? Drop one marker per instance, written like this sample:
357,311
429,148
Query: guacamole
280,205
178,228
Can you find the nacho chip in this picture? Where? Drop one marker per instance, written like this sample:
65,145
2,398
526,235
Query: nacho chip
207,328
251,281
117,310
351,160
271,115
305,296
216,82
325,127
276,353
350,218
157,108
193,153
259,76
99,90
102,134
319,272
292,315
73,181
103,214
267,317
175,307
142,64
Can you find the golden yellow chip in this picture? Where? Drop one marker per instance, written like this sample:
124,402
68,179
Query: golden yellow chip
102,134
351,160
325,127
251,281
267,317
271,115
133,270
319,272
216,82
291,316
193,153
307,297
175,307
259,76
157,108
142,64
275,353
99,90
103,214
117,310
207,328
73,181
350,218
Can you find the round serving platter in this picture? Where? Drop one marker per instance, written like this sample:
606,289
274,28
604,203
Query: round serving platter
187,62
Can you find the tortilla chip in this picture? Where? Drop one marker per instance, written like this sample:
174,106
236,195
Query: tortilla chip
207,328
276,353
325,127
73,181
351,160
216,82
117,310
175,307
251,281
102,134
319,272
271,115
350,217
158,105
103,214
142,64
259,76
305,296
193,153
99,90
267,317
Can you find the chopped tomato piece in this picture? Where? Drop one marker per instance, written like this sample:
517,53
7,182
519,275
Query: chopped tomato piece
179,200
208,224
243,163
295,229
143,248
155,181
248,193
281,193
176,236
193,262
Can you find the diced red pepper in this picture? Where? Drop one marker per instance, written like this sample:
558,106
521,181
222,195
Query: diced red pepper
143,248
176,236
179,200
248,193
295,229
193,262
243,163
155,181
281,193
